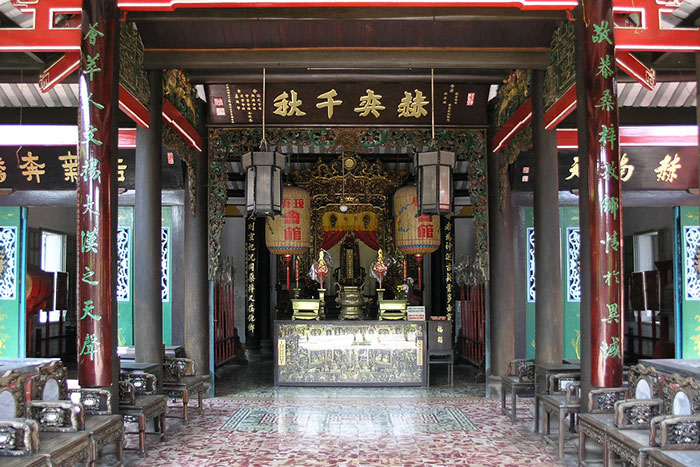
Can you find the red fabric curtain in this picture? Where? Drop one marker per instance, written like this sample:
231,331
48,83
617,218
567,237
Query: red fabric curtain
330,238
368,237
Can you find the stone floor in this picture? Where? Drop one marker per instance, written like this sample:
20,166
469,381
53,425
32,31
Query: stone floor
252,423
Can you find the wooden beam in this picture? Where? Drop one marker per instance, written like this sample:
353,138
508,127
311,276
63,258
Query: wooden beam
347,14
536,58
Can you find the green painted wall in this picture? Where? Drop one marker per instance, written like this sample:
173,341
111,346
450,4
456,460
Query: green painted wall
568,219
529,303
690,282
571,323
126,307
167,224
11,312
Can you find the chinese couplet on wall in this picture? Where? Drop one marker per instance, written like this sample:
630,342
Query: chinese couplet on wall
95,193
604,186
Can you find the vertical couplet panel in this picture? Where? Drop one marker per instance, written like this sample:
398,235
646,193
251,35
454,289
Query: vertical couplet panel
96,193
604,194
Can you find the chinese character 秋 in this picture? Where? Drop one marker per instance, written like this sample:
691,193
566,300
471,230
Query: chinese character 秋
666,171
288,107
370,103
329,102
3,175
573,170
31,168
412,106
70,166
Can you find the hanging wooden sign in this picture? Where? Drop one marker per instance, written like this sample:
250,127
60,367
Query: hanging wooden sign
351,103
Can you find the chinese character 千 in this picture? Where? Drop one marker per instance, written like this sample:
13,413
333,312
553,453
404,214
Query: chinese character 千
31,168
413,106
288,107
329,103
666,171
70,166
370,103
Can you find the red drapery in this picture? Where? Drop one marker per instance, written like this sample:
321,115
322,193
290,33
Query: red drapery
368,237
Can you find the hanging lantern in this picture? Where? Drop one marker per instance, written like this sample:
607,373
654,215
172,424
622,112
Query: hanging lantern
263,182
415,234
435,181
289,234
434,171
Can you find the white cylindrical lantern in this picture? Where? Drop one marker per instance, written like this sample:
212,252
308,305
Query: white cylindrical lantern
435,181
263,182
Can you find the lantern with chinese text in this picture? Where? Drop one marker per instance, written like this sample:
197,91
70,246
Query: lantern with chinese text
289,234
414,234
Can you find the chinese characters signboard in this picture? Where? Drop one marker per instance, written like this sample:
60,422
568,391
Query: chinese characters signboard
56,168
360,103
641,168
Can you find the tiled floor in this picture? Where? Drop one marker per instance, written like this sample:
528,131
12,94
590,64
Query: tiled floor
252,423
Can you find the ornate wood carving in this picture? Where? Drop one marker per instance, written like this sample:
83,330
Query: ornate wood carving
132,74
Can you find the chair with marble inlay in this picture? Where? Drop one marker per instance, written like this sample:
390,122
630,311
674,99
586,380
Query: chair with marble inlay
104,427
53,436
644,385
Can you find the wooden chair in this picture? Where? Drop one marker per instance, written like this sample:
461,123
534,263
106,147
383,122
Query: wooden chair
104,427
643,385
561,401
181,381
53,436
138,403
519,382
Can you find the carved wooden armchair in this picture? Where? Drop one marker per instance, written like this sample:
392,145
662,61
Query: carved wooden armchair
181,381
519,382
644,385
680,427
561,401
139,402
93,406
52,436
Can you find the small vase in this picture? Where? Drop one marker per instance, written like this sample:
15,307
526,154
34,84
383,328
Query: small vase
380,294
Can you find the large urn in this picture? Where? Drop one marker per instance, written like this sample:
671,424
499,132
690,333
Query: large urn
351,301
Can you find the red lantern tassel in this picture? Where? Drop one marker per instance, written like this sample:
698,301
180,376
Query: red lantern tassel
419,260
288,259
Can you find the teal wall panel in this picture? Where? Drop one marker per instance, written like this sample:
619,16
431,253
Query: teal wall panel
11,272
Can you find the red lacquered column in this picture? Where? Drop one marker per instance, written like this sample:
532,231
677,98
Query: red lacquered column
604,195
96,193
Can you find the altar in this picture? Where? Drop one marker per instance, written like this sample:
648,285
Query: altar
350,353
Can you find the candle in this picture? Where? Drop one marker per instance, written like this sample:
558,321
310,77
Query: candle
296,271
